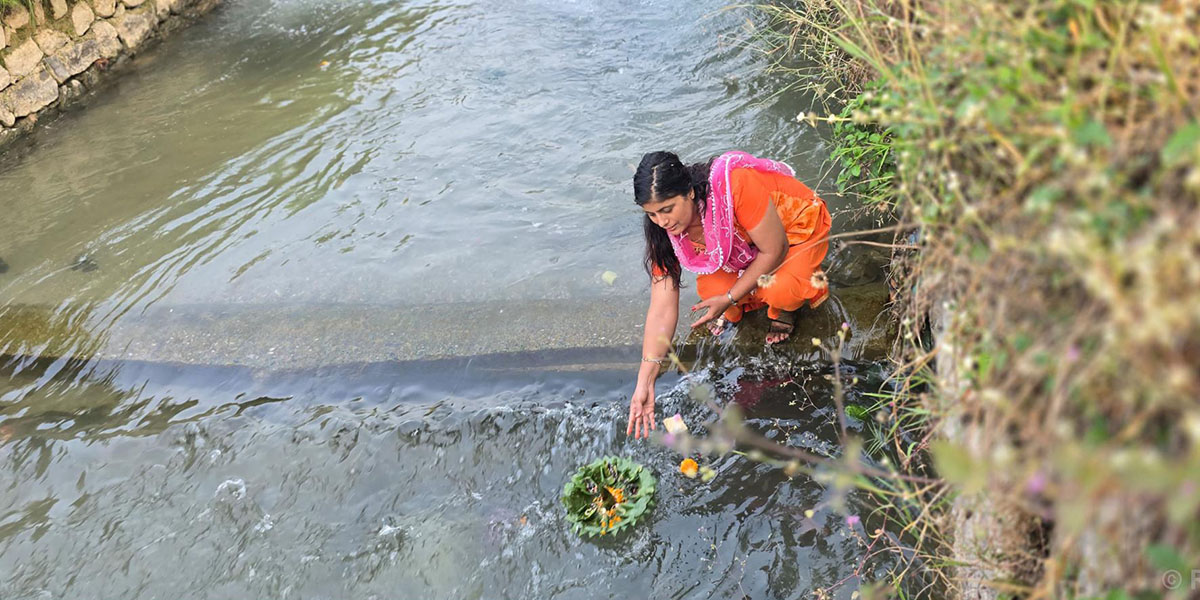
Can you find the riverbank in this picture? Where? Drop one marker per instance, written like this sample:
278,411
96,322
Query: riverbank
1045,162
53,52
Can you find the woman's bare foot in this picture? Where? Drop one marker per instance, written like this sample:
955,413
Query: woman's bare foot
781,327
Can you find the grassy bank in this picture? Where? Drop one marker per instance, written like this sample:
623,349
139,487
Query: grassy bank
6,4
1044,161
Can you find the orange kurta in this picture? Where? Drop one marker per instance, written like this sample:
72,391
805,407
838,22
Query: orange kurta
806,221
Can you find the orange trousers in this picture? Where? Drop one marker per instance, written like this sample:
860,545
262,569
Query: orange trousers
792,287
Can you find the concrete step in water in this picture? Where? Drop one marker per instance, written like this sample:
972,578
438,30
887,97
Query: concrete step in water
276,337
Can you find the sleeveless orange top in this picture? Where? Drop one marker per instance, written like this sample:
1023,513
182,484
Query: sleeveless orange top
798,207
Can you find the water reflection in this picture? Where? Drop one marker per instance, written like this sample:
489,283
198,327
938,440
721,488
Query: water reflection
380,152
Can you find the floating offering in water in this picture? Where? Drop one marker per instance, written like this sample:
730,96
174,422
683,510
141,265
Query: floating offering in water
675,425
625,494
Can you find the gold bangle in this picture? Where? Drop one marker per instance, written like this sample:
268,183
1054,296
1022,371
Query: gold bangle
654,360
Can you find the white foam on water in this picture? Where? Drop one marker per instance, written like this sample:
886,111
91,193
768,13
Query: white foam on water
231,487
265,524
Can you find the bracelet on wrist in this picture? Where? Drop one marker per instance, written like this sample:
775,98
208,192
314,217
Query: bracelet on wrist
658,361
729,295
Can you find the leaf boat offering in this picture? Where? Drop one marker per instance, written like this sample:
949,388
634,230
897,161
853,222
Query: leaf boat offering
607,496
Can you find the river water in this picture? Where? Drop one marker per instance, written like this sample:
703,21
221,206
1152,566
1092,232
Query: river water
312,303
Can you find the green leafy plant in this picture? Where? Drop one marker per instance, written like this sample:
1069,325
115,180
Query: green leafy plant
607,496
861,413
863,149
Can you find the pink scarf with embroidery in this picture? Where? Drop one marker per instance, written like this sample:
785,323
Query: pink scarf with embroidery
723,247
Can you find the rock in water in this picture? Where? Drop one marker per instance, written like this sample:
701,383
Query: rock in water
854,265
3,266
84,263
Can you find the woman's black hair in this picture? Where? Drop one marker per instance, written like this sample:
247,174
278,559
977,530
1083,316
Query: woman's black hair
662,175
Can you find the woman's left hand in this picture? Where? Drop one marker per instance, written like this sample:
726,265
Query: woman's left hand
713,307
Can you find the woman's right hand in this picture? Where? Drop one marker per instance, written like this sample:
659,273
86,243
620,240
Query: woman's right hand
641,411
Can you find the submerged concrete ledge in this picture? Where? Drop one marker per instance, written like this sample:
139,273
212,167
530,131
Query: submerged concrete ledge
52,55
306,336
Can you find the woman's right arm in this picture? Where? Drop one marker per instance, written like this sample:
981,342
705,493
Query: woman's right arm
661,319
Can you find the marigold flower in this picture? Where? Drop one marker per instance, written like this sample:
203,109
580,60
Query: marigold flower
689,468
618,494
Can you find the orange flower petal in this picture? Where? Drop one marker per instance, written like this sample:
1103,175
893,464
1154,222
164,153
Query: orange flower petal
689,468
618,494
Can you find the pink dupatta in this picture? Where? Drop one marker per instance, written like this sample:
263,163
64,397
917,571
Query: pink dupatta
723,247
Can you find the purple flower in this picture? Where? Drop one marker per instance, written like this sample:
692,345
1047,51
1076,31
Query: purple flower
851,520
1036,483
668,439
845,325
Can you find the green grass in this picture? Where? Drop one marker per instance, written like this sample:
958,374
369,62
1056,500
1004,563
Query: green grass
6,4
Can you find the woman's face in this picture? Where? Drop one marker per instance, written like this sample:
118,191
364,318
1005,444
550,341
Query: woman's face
674,214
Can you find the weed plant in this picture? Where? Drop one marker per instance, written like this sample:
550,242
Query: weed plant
7,4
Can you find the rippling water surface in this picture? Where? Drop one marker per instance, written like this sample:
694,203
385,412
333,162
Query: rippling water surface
318,494
227,276
384,152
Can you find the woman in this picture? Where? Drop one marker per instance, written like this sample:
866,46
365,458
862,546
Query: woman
731,220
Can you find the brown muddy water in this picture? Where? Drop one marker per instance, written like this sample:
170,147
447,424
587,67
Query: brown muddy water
311,304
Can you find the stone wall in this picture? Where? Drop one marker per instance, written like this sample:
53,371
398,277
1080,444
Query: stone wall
51,55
